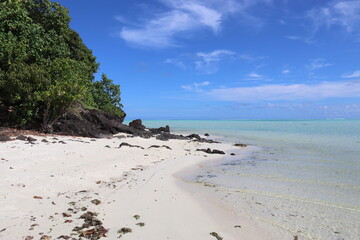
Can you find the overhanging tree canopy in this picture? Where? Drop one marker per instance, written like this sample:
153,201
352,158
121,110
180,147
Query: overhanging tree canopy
44,65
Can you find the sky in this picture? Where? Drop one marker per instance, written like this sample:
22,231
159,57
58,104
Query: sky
227,59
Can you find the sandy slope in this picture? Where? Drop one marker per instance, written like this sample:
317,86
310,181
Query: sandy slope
67,178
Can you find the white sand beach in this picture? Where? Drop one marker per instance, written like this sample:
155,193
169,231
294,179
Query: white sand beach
46,187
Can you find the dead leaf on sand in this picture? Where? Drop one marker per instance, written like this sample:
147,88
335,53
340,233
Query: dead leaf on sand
45,237
37,197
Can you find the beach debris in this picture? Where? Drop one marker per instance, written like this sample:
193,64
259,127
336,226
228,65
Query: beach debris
240,145
129,145
296,238
64,237
107,146
94,233
208,150
216,235
68,221
66,215
37,197
83,209
29,238
237,226
96,201
98,231
33,226
123,231
3,230
141,224
45,237
136,217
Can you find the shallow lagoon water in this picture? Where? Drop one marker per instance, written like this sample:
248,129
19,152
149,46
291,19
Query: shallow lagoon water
301,176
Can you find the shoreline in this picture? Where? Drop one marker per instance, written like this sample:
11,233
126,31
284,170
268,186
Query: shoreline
49,185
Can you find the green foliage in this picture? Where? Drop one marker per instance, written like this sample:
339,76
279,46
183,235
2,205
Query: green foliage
106,96
44,65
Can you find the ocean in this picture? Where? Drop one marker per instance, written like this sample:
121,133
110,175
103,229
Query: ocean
301,176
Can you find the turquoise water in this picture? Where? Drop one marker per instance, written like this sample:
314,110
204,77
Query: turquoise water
301,176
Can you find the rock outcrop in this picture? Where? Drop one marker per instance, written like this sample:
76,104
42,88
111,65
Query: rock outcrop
91,123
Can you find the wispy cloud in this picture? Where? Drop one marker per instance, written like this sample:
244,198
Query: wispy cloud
202,62
254,75
337,13
318,63
163,29
182,16
251,58
195,87
303,92
355,74
286,71
177,62
207,63
305,39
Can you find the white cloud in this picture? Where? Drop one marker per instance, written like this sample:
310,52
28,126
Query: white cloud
177,62
286,71
195,87
273,92
355,74
159,32
182,16
251,58
318,63
207,63
340,13
162,30
254,75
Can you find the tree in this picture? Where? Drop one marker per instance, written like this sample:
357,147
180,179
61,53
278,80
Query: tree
106,96
45,67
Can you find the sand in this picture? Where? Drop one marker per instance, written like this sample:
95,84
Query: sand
46,188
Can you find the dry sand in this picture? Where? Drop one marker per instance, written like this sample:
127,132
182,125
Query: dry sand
46,187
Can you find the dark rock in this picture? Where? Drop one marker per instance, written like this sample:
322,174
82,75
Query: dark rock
154,146
137,124
206,135
45,141
62,142
240,145
31,139
232,154
107,146
196,136
22,138
91,123
167,136
4,138
157,146
214,151
160,130
129,145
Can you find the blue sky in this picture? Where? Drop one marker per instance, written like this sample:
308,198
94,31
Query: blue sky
227,59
